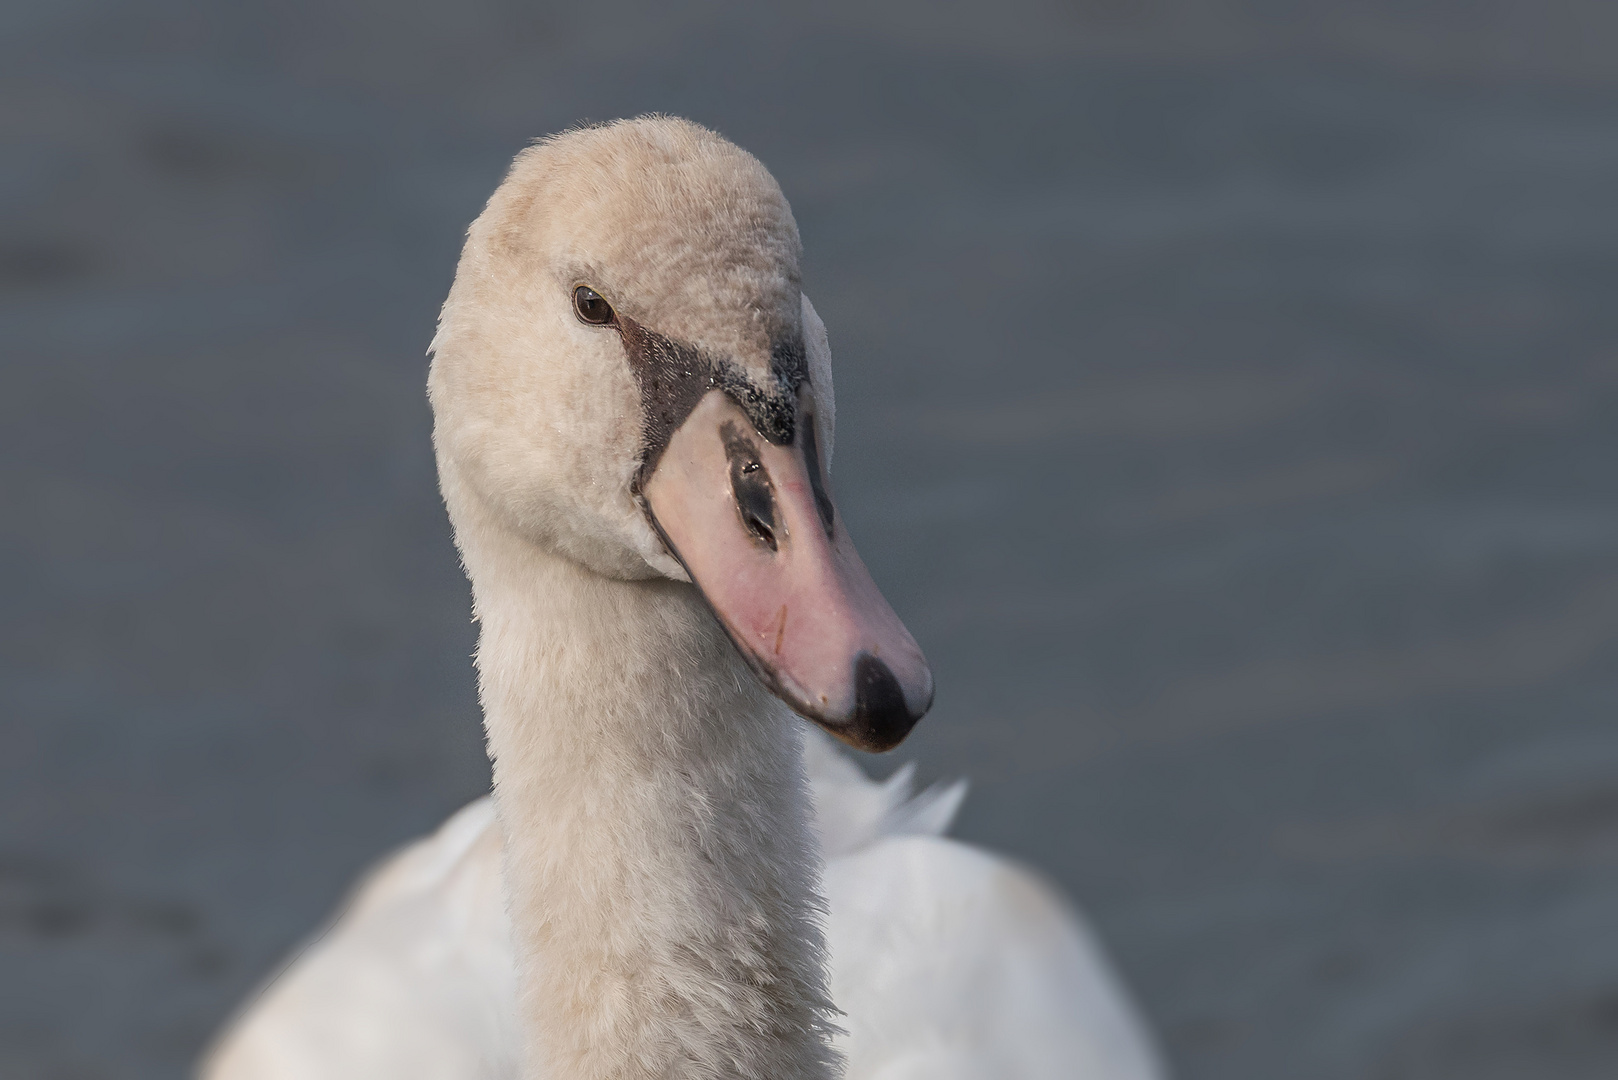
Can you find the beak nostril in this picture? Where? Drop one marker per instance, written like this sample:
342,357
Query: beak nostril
811,452
759,529
750,485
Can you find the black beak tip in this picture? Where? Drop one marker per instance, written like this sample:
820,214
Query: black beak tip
882,718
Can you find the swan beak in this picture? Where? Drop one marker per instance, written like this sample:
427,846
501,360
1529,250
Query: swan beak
755,528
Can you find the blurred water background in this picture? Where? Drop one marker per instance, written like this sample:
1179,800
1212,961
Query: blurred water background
1228,401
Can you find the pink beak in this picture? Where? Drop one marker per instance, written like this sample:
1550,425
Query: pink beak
756,530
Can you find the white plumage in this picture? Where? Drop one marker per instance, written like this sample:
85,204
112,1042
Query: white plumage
948,962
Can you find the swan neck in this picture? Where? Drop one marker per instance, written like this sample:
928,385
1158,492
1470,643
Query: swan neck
659,872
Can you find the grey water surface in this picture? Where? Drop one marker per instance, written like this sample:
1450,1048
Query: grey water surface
1228,399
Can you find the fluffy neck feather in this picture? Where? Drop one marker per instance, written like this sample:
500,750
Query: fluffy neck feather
658,870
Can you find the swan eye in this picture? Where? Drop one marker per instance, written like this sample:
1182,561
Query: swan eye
590,307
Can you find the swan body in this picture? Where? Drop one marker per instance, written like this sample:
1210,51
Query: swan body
951,964
674,878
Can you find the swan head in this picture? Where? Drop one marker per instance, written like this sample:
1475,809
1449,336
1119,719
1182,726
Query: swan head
627,373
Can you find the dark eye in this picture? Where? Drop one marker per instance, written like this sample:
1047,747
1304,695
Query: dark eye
591,308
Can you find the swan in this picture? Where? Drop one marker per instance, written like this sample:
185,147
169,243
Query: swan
674,877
